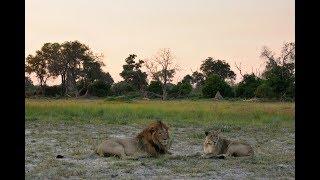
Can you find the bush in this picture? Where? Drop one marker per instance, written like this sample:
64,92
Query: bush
291,91
247,87
99,88
29,88
27,82
121,98
30,91
155,87
53,91
125,98
81,87
121,88
264,91
281,79
184,88
173,91
213,84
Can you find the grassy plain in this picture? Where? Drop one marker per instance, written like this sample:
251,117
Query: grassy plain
179,113
72,127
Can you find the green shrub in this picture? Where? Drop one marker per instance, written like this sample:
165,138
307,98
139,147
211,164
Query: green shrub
99,88
184,88
247,87
213,84
53,91
155,87
264,91
121,88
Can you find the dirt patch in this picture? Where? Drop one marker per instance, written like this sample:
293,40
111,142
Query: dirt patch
274,154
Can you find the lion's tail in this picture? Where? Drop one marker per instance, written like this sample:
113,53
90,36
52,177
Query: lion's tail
89,156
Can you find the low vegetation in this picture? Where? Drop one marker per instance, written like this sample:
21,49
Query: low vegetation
183,112
73,127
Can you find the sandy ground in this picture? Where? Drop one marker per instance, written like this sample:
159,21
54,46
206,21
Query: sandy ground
274,154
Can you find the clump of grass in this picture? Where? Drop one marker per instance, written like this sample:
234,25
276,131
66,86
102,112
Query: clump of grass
119,99
161,161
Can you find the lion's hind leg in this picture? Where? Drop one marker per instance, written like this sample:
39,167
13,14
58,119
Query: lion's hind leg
240,150
110,148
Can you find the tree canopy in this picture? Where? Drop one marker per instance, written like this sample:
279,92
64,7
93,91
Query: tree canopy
247,87
132,73
213,84
71,60
218,67
280,71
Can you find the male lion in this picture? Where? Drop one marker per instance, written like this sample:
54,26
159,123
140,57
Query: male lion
216,146
152,141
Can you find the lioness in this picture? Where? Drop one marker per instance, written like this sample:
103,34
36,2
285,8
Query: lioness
152,141
216,146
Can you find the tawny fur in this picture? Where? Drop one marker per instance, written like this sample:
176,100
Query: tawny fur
216,146
152,141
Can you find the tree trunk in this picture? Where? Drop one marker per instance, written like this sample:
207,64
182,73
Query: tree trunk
87,93
164,93
70,83
63,84
164,88
41,90
41,87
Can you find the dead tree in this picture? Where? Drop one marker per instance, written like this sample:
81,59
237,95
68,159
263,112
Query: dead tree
162,68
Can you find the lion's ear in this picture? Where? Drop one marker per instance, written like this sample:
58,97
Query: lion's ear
206,132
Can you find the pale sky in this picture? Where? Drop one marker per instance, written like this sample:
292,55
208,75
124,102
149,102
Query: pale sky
231,30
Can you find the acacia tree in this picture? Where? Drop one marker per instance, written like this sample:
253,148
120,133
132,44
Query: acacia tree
54,57
213,84
218,67
72,61
184,87
74,54
91,72
187,79
247,87
280,71
198,79
162,69
38,64
133,75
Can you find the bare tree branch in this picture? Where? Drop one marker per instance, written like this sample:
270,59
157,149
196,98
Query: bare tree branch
239,68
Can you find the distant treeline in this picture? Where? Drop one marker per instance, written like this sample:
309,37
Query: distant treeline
81,75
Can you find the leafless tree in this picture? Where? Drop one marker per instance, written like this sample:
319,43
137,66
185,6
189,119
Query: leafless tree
162,68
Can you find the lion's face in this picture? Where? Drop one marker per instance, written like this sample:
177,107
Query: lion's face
212,137
162,136
156,136
211,141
